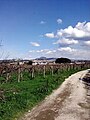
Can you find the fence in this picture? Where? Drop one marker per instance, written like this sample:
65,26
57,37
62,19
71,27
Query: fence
7,71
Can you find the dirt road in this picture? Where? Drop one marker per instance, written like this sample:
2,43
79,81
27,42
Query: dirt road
71,101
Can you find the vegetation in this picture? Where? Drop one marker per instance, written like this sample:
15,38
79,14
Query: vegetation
63,60
16,98
30,62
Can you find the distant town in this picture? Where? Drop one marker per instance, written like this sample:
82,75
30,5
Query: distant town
38,61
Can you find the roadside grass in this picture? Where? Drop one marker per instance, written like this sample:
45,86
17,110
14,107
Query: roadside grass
17,98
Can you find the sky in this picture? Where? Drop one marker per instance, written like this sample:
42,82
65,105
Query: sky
50,28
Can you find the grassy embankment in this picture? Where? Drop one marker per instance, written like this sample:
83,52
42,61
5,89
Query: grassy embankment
16,98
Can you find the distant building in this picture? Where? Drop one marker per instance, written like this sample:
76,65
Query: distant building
43,62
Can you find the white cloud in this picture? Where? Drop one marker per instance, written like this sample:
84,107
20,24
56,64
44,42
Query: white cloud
67,49
65,41
49,52
82,54
62,52
38,51
42,22
71,32
59,21
35,44
87,43
80,34
80,25
80,31
43,50
49,35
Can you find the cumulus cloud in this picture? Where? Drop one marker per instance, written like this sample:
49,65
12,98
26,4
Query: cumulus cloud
59,21
72,35
68,38
35,44
49,35
80,25
65,41
80,31
78,35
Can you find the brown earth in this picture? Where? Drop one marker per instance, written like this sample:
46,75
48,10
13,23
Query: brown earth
71,101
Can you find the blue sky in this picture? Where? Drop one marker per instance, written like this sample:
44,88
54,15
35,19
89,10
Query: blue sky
51,28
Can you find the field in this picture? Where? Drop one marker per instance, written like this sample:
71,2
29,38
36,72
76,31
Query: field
17,97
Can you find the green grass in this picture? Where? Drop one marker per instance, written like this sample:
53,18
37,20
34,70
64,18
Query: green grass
19,97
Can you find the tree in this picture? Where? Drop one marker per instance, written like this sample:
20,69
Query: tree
30,62
63,60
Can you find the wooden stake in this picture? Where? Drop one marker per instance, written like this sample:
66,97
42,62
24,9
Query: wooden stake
44,72
19,75
52,70
32,72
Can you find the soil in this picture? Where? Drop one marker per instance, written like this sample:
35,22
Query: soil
71,101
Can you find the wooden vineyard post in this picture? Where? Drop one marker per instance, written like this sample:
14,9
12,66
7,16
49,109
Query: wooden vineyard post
44,71
7,77
32,72
68,67
19,74
52,70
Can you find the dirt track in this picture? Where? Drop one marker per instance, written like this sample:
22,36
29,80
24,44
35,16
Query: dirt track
71,101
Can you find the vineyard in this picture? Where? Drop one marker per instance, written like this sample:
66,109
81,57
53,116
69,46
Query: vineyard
17,72
23,86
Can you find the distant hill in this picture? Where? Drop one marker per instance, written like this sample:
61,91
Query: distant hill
44,58
41,58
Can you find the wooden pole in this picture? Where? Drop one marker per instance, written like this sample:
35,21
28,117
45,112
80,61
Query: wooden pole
44,72
7,77
19,74
52,70
32,72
